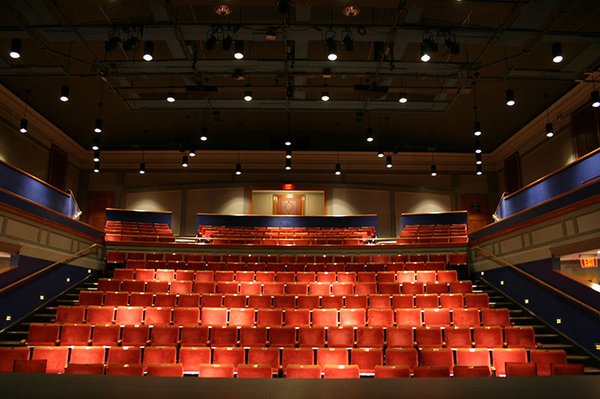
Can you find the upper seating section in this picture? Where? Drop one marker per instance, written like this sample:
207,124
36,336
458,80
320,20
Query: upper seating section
229,235
137,231
434,234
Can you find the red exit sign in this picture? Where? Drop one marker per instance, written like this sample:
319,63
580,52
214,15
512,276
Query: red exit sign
588,262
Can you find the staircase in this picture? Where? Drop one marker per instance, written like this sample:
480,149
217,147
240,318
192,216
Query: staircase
17,334
546,336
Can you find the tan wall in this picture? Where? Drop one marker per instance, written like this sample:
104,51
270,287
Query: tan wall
157,201
416,202
262,202
552,155
351,201
225,200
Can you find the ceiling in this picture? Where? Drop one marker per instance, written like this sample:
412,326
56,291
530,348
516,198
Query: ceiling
503,44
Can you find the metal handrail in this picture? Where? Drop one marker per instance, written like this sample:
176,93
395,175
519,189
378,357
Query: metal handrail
504,262
69,258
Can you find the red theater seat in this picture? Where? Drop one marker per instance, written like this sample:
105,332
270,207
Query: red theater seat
451,301
477,300
87,298
70,314
266,317
144,299
465,317
413,288
229,355
426,300
129,315
400,337
165,336
365,288
325,317
29,366
135,335
216,371
495,317
458,337
254,371
488,337
55,357
402,357
165,370
500,356
546,358
186,316
192,358
353,317
439,357
282,336
473,357
160,355
204,287
461,287
472,371
436,317
43,334
297,317
212,300
181,287
87,355
275,288
125,369
520,369
241,317
391,372
223,336
342,337
356,301
105,334
388,288
157,316
366,359
380,317
332,302
307,301
380,301
520,337
428,337
216,317
8,355
107,284
332,356
116,298
311,336
302,371
370,337
408,317
85,369
341,371
567,369
259,301
163,299
297,356
189,300
264,356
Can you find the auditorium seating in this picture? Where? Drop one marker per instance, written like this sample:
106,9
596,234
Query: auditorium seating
120,231
434,234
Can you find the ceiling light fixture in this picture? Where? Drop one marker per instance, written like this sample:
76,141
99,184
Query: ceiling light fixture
96,156
204,134
549,126
64,93
288,154
338,169
478,160
248,96
171,97
15,48
142,168
595,99
428,46
557,54
388,161
288,164
380,154
402,99
23,126
223,10
148,50
238,169
185,161
331,47
479,170
238,52
325,96
510,97
433,170
477,123
477,128
96,144
192,153
351,11
98,125
452,45
97,167
370,136
478,149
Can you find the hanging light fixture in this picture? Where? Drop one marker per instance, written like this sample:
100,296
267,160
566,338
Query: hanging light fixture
64,93
98,125
171,97
185,161
433,170
370,136
248,96
148,50
204,134
96,157
549,126
428,47
478,149
477,123
238,169
238,50
348,42
557,54
142,168
331,47
478,160
192,152
288,154
479,170
388,161
24,122
15,48
210,43
96,144
338,169
97,167
595,99
402,99
325,96
288,164
380,154
510,97
287,141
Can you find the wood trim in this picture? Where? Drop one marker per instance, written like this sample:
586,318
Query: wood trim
138,210
430,213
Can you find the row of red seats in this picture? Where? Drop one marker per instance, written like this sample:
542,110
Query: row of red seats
149,299
305,336
439,240
283,267
192,359
278,288
209,230
271,317
122,256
